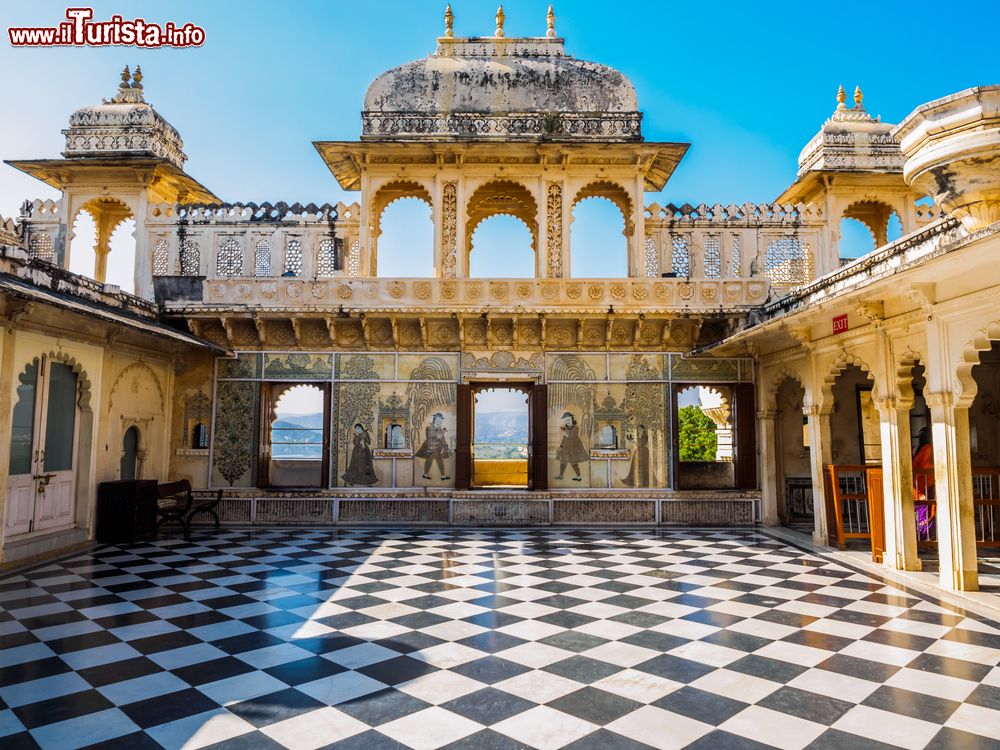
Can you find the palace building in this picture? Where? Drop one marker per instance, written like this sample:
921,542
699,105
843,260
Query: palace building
263,351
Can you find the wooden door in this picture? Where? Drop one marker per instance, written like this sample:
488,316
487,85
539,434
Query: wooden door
264,442
745,423
876,512
538,438
463,437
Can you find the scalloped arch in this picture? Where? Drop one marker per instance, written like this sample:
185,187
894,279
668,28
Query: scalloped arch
841,363
83,381
981,341
613,192
784,375
142,367
397,190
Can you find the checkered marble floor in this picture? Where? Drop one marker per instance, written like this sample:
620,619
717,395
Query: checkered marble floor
484,639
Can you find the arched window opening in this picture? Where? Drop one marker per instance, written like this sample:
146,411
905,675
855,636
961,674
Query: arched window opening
597,238
229,261
500,437
856,239
705,430
788,261
262,258
103,243
502,248
895,227
297,436
406,242
199,436
129,466
121,259
82,247
392,438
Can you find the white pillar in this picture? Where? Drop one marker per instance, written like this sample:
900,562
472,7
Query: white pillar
897,486
956,530
819,457
769,466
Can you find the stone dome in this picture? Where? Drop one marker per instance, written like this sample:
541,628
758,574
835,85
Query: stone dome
499,88
124,126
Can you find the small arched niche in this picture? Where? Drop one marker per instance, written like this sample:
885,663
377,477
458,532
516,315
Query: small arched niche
129,465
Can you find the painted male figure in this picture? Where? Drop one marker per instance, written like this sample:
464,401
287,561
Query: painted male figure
435,446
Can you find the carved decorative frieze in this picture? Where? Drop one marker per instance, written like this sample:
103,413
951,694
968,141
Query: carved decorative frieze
554,230
449,229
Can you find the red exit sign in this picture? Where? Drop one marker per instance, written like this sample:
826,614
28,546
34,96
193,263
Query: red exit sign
840,324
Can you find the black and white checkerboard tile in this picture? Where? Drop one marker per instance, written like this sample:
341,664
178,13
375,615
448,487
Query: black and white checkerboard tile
484,639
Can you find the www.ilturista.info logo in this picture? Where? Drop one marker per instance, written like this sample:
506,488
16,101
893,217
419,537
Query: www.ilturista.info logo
79,30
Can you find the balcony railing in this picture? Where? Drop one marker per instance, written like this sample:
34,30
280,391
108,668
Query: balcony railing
855,506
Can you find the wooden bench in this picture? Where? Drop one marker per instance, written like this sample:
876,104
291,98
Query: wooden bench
178,502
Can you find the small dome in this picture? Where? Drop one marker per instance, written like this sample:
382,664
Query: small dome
124,126
501,88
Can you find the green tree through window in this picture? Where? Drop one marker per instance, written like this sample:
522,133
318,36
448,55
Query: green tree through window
696,435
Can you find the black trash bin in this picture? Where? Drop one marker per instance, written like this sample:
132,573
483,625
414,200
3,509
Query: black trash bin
126,510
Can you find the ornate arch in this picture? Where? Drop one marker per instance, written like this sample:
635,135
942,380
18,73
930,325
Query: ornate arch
784,375
502,198
982,341
874,214
83,381
841,363
140,367
393,191
610,191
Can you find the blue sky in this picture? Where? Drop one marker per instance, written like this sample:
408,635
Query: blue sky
746,84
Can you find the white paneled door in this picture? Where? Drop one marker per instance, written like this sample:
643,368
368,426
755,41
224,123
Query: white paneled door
41,488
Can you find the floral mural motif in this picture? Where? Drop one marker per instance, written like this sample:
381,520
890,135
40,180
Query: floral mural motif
298,365
235,436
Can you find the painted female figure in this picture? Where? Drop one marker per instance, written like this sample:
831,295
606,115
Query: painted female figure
571,450
361,469
638,473
435,446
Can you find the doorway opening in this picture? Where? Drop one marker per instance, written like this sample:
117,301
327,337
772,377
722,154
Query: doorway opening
297,435
705,437
501,436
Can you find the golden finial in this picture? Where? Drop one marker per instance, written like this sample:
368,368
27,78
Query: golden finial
137,78
449,22
550,17
841,97
858,96
500,20
125,77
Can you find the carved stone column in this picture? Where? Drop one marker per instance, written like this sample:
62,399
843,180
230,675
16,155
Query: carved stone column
897,486
769,466
956,528
819,456
449,230
554,231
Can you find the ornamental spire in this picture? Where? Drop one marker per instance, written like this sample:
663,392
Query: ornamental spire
841,97
130,88
449,22
500,19
550,18
858,97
